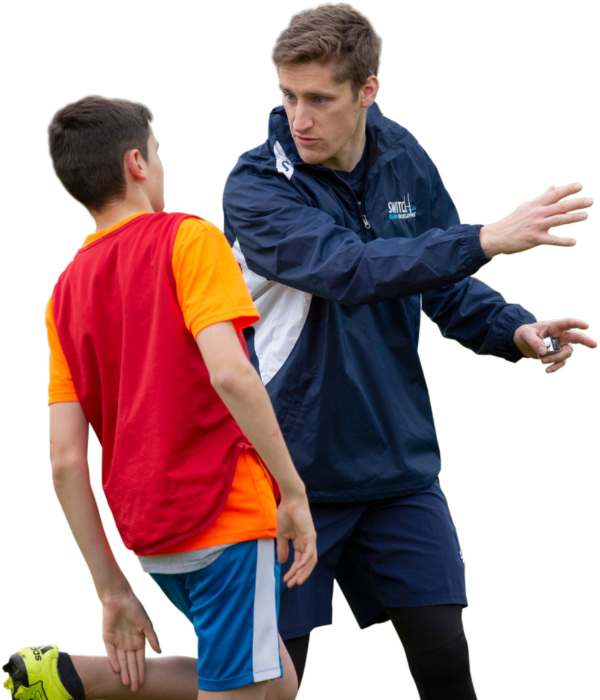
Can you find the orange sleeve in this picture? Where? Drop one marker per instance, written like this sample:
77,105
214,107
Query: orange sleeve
61,383
208,278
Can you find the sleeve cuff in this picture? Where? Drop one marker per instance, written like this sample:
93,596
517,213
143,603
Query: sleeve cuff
512,352
474,245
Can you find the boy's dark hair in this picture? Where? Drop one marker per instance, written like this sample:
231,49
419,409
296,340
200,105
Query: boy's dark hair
88,143
332,32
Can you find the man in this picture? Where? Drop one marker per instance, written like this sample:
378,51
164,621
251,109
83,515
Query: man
345,232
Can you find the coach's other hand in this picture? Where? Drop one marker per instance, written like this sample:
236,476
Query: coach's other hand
528,226
529,339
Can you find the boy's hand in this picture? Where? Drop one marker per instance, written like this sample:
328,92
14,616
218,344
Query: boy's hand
125,628
294,522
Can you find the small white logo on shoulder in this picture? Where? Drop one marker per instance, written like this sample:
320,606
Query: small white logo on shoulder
284,165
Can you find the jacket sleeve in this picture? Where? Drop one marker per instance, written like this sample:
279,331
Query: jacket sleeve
469,311
287,238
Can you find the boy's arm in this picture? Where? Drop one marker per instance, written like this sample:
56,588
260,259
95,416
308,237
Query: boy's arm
125,622
242,391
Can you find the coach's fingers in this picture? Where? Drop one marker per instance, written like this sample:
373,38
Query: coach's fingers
563,354
579,339
555,367
554,194
566,324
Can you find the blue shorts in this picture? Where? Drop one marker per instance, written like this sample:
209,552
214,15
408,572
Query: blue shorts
233,605
399,552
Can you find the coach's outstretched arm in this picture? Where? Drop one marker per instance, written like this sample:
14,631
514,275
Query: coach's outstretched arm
286,239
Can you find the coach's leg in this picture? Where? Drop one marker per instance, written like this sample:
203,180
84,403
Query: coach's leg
436,649
298,651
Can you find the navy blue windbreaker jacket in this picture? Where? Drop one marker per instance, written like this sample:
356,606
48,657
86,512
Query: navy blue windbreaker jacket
340,287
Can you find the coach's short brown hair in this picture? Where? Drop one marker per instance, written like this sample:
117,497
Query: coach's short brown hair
88,143
331,33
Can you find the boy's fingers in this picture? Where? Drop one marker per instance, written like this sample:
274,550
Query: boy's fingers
304,563
122,657
112,657
283,549
133,670
141,666
152,638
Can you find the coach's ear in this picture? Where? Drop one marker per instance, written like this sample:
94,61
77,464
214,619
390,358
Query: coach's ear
368,93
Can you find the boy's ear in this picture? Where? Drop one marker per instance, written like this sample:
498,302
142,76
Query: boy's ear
134,165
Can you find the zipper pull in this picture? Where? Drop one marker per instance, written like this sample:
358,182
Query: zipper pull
365,222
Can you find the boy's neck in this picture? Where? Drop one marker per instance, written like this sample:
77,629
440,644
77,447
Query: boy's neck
114,212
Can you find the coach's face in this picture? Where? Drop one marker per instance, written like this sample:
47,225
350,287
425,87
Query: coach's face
327,119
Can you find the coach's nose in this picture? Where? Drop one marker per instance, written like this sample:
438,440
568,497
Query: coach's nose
302,119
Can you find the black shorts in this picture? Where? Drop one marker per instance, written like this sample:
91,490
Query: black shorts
400,552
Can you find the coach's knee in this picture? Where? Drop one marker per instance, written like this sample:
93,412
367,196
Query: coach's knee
444,672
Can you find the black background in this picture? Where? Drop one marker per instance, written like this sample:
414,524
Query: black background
503,97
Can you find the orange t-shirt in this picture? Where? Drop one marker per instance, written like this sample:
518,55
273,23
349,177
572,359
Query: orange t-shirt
210,289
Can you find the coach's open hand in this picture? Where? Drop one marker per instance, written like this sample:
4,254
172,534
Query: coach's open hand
527,227
529,340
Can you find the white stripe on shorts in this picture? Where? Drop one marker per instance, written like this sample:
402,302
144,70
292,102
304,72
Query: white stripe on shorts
265,642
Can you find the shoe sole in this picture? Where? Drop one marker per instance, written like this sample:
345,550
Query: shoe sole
17,679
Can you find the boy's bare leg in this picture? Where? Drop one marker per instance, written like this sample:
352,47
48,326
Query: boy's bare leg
256,691
172,678
285,688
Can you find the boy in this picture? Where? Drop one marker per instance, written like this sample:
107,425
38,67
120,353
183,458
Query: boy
144,329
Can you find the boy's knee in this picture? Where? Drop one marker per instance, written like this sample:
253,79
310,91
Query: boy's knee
285,688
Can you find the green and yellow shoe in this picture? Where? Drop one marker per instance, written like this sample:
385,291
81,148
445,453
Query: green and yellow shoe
33,675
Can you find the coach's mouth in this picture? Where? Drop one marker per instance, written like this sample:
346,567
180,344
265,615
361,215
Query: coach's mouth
305,141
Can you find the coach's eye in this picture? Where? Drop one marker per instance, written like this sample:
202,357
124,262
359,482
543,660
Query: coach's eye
320,100
290,98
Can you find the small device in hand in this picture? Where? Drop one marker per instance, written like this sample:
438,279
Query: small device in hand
551,344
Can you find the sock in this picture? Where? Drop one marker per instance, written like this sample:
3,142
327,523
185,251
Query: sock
69,677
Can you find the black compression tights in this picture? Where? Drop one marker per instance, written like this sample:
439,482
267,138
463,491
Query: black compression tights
435,646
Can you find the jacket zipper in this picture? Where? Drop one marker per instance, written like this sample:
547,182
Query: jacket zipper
360,206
